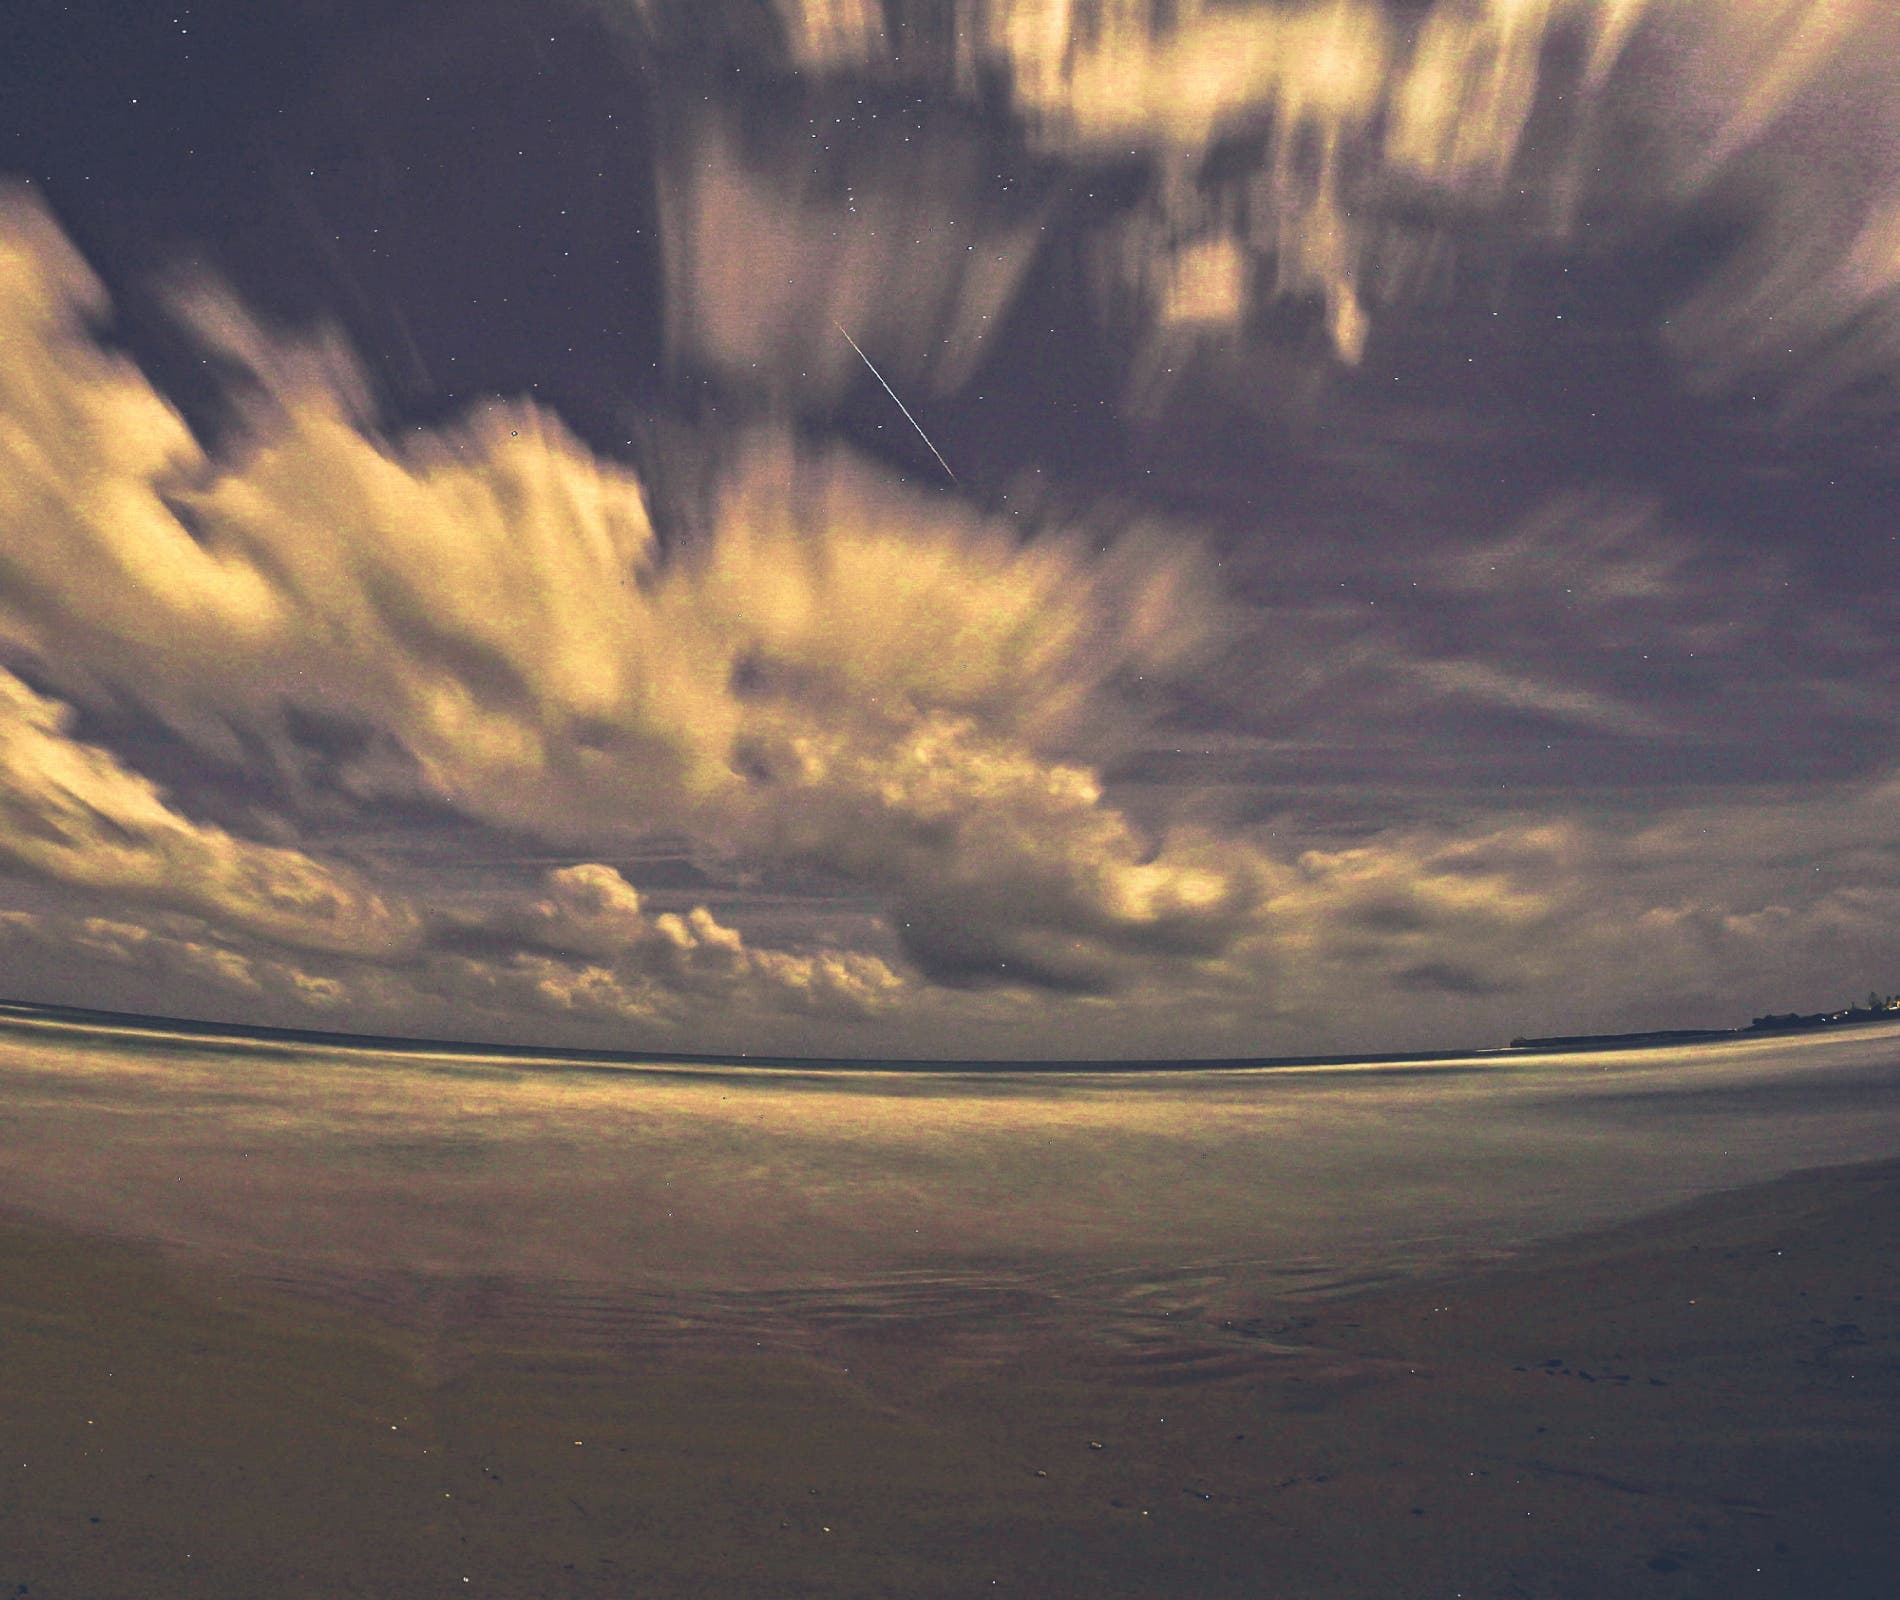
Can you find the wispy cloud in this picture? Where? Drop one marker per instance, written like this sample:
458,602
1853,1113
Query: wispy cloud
875,685
1352,155
770,248
845,674
71,813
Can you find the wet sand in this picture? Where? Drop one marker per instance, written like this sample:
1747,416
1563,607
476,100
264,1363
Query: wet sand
1704,1403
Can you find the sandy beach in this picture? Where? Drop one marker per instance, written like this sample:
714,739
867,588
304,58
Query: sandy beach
1702,1403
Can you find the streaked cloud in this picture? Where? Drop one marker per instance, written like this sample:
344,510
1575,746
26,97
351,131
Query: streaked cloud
1455,914
1356,155
1480,754
846,674
773,246
181,954
1791,114
1485,684
1342,99
71,813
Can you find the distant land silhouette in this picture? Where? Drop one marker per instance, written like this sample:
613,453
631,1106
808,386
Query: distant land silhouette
159,1030
1877,1009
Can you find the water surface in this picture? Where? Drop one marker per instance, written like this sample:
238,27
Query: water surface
689,1199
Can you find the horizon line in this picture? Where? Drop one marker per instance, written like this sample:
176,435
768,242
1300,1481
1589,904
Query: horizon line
153,1023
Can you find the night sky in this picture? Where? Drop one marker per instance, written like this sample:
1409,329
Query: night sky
1412,559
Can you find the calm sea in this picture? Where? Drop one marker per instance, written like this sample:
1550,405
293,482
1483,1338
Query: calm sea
763,1201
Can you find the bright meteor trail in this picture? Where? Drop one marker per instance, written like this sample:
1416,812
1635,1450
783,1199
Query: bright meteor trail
893,394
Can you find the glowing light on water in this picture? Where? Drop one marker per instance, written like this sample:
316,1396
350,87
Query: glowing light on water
863,1188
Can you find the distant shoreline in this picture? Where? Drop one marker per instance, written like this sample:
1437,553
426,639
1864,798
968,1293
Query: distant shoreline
263,1037
1773,1023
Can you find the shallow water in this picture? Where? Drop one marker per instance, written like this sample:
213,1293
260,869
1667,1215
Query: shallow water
662,1202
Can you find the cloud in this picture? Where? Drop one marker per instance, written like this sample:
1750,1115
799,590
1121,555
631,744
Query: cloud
588,910
1484,684
1593,642
1461,915
839,675
586,945
1345,107
70,813
842,673
834,32
181,953
833,587
1350,155
1003,867
1558,924
771,248
1594,548
1790,116
469,602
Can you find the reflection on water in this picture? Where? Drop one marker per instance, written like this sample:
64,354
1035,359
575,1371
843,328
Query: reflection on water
655,1202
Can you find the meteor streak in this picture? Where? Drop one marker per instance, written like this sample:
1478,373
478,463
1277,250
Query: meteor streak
893,394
